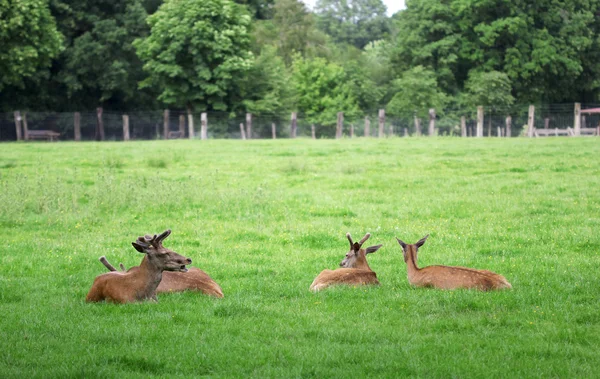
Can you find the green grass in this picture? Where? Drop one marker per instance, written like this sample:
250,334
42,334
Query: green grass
263,218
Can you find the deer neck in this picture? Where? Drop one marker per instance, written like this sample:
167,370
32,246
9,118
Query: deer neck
149,277
361,264
411,261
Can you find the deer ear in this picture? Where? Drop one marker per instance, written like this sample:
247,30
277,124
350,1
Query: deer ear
401,243
138,247
372,249
422,241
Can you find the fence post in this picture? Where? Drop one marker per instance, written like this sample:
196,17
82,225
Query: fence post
340,125
249,125
499,132
431,122
182,125
77,126
274,130
190,123
203,125
530,121
391,130
367,127
546,123
577,121
351,130
508,126
125,127
25,127
463,126
242,131
417,126
293,125
99,125
479,132
405,132
17,115
381,122
166,124
312,131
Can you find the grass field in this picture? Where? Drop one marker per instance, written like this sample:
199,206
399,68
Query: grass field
263,218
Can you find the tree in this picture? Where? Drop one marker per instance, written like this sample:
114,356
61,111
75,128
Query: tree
99,65
355,22
489,89
196,51
29,40
259,9
292,30
416,91
322,90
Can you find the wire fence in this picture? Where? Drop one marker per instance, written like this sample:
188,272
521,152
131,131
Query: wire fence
150,125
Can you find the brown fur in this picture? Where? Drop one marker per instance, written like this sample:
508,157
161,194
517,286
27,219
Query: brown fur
141,284
448,277
192,280
355,270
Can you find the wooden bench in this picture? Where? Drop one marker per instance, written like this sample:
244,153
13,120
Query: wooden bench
553,132
48,135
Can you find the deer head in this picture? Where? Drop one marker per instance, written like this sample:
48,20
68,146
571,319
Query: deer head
357,256
408,250
160,256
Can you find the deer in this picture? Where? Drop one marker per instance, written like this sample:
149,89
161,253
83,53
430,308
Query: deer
141,284
448,277
354,268
172,281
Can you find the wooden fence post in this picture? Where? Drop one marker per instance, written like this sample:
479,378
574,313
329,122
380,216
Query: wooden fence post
242,131
125,127
166,124
99,125
479,121
273,130
190,123
182,125
293,125
25,127
77,125
391,130
249,125
508,126
367,127
463,126
530,121
405,132
17,115
203,125
312,131
577,120
546,123
340,125
431,122
381,122
351,130
499,132
417,126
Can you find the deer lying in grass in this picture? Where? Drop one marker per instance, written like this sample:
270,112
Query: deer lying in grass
141,284
448,277
172,281
355,269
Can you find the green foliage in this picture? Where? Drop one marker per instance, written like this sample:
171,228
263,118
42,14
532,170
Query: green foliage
489,89
29,40
196,51
264,218
267,88
416,91
354,22
322,90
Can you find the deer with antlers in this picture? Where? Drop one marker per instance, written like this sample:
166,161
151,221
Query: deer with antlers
141,284
448,277
173,281
354,268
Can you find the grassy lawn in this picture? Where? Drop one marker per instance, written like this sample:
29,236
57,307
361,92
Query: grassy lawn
263,218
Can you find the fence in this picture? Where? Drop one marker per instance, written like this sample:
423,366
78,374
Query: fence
544,120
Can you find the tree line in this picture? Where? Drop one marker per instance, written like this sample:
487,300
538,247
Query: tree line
277,56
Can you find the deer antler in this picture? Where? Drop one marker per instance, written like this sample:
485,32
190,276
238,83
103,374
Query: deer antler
350,239
366,237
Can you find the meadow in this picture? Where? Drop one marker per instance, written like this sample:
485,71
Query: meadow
263,218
